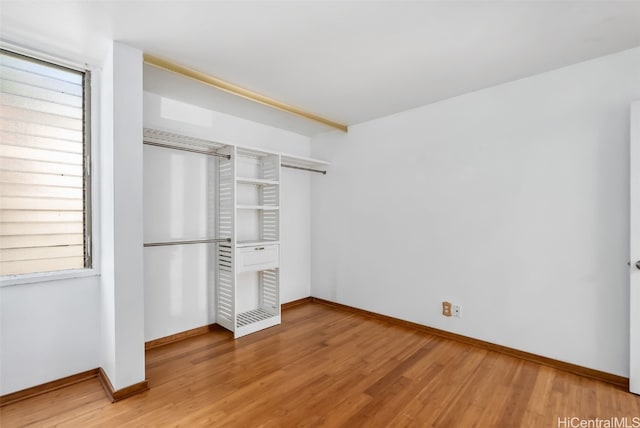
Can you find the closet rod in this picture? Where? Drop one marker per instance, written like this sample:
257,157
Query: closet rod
304,169
196,241
202,152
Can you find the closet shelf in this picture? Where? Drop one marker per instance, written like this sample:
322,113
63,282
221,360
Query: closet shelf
252,153
256,181
303,162
254,243
250,317
258,207
180,141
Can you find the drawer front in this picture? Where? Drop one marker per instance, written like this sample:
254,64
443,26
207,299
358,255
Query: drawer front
258,258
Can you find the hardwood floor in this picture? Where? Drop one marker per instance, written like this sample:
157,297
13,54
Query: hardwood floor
327,367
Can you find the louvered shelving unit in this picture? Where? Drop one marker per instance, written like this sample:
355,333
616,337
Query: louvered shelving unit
248,274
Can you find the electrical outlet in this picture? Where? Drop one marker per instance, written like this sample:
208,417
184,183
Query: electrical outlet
457,311
446,309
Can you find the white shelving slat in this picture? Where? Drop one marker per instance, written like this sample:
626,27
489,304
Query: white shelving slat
249,152
303,162
255,243
225,254
256,181
164,137
256,325
257,207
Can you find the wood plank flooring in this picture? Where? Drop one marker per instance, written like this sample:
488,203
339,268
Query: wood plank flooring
327,367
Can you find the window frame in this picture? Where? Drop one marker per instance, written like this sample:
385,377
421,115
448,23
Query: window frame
91,86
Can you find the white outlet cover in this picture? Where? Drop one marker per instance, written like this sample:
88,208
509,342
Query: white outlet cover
457,311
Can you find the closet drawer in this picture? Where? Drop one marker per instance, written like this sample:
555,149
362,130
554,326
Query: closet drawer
259,257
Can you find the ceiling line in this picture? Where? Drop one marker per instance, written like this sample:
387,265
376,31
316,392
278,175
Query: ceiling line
238,91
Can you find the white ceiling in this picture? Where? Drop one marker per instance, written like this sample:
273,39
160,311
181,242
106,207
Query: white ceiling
347,61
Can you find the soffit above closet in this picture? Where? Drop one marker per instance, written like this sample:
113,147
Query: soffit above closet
189,91
349,61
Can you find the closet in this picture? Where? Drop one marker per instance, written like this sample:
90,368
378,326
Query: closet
246,214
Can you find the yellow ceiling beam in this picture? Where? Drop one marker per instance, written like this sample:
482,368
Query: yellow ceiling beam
237,90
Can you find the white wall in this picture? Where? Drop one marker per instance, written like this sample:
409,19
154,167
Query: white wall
634,250
48,330
511,201
179,279
178,187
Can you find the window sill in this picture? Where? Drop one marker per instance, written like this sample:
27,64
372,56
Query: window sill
31,278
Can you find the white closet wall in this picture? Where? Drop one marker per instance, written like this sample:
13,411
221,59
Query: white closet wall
177,207
178,195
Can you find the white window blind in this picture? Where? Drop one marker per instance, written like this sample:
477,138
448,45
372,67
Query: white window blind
44,186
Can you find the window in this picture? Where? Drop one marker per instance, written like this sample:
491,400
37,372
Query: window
45,218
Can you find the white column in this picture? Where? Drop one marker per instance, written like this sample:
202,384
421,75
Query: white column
121,212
